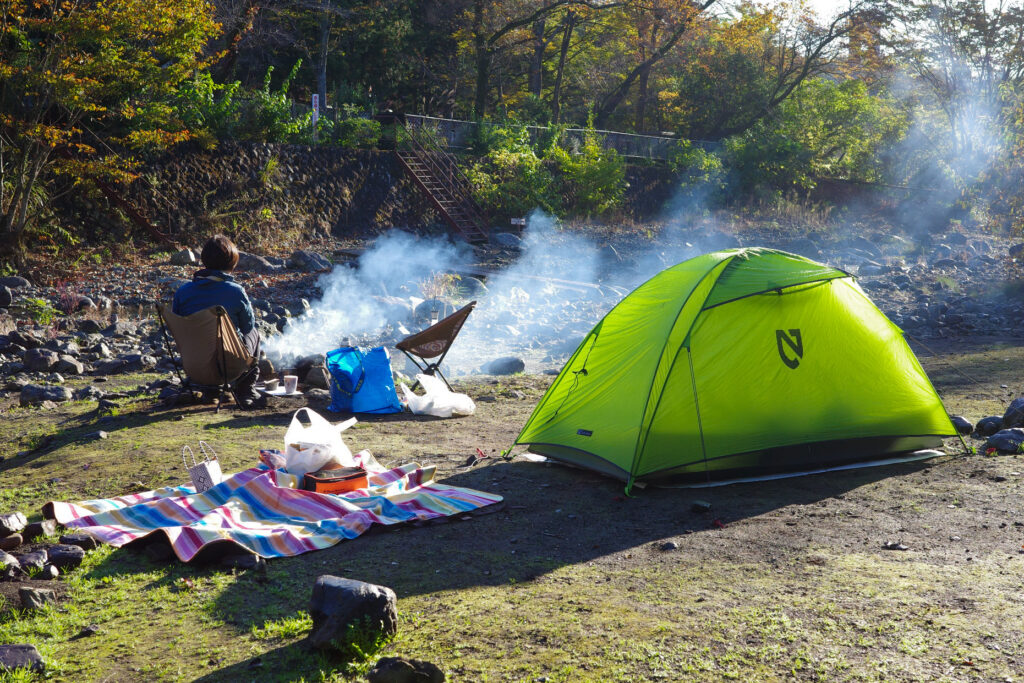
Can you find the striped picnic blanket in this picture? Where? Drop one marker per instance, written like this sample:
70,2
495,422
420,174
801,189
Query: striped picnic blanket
263,510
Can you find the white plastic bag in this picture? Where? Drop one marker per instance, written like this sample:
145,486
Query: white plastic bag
437,400
311,448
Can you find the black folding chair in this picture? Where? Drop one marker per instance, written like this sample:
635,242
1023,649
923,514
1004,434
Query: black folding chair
434,342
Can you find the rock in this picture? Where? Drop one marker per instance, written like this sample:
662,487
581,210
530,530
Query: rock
1015,251
6,298
185,257
987,426
83,541
253,263
138,362
89,393
10,542
9,560
1006,440
308,261
84,303
89,326
318,398
49,573
318,378
65,557
35,530
245,561
14,282
401,670
69,366
36,598
40,359
669,545
33,560
12,523
36,394
14,657
24,338
506,240
338,603
1014,415
109,367
507,365
700,506
962,424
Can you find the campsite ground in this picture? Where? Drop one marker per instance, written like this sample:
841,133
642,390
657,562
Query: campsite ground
569,580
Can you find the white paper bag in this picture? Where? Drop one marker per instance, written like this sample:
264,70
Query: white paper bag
311,448
205,473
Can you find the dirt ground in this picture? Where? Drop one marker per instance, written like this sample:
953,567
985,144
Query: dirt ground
568,580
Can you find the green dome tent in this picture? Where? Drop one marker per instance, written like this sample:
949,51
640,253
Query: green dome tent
743,362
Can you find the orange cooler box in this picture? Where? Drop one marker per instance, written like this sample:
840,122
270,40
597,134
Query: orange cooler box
341,480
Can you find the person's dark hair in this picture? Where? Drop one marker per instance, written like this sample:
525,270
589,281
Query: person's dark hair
220,253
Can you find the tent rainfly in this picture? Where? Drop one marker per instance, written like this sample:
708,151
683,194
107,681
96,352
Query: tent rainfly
738,363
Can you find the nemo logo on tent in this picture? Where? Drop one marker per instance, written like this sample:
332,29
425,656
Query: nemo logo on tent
795,343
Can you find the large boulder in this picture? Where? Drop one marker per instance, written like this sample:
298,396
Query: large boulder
34,394
308,261
253,263
339,606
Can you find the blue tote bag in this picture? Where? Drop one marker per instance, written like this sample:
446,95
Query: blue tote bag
361,381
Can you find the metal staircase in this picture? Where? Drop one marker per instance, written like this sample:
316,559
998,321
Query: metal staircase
435,172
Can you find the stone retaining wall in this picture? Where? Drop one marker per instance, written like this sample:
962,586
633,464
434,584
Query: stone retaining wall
313,189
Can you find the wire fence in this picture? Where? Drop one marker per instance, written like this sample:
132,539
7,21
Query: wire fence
459,134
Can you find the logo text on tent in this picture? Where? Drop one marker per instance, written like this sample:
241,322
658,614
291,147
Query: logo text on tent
793,340
584,432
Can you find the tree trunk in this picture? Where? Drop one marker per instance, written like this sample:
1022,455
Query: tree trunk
321,66
537,58
483,61
556,103
227,65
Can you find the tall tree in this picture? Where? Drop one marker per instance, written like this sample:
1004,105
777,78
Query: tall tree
76,75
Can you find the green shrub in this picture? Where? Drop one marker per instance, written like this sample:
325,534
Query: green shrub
511,180
593,180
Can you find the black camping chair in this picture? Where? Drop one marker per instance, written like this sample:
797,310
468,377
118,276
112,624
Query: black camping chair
434,342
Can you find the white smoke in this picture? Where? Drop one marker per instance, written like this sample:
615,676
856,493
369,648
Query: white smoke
364,301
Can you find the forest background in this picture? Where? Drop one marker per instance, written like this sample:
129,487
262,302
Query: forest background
766,101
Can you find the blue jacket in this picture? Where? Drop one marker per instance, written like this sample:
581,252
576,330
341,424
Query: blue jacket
215,288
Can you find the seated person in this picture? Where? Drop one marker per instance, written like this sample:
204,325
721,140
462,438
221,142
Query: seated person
213,286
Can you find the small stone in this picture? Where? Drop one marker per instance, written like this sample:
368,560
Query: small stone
83,541
6,298
338,603
9,560
669,545
49,573
36,598
90,630
66,556
14,657
962,424
244,561
401,670
700,506
11,523
33,560
987,426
